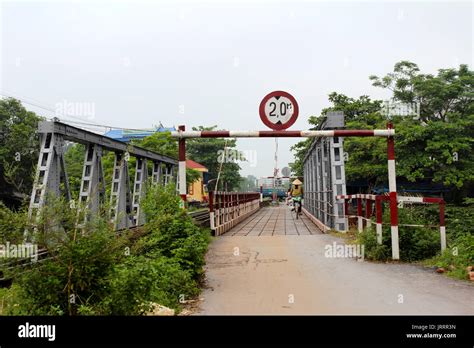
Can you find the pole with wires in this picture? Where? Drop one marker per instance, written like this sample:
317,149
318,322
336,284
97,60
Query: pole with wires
220,166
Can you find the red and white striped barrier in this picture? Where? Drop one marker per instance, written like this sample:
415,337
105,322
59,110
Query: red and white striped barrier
181,134
378,211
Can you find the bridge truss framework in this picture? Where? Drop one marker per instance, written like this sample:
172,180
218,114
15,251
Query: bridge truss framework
124,202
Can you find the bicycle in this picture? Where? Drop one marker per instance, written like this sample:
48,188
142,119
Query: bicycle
297,206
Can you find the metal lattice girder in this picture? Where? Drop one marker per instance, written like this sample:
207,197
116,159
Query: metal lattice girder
92,193
139,190
338,183
82,136
318,195
156,174
50,173
324,178
167,173
120,197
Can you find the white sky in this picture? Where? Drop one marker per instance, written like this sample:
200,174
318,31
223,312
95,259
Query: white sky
141,62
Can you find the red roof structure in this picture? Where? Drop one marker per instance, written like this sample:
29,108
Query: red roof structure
194,165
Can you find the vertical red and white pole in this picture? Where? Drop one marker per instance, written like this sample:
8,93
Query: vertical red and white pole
360,222
392,187
211,211
368,212
378,216
442,227
346,212
182,166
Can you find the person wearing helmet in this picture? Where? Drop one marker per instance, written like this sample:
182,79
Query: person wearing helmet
296,192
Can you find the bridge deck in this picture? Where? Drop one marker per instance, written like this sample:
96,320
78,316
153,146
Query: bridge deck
273,221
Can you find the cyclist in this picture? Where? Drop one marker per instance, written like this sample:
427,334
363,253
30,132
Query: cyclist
296,193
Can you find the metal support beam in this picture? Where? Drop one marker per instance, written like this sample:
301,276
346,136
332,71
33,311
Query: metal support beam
157,173
50,172
82,136
324,177
92,193
139,190
120,202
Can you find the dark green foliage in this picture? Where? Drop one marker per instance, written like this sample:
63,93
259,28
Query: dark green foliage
12,225
172,232
141,280
457,257
419,243
19,148
437,146
106,274
208,151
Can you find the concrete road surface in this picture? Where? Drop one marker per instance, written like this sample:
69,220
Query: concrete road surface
290,274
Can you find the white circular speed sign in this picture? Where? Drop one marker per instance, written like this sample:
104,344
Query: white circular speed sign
278,110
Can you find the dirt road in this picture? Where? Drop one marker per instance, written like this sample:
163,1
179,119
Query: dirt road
281,273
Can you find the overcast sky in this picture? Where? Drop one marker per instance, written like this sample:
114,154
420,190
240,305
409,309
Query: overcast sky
136,63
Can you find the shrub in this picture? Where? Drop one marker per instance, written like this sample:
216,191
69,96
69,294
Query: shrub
172,232
12,225
141,281
457,257
74,273
92,271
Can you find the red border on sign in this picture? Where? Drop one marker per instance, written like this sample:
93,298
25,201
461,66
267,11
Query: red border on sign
274,126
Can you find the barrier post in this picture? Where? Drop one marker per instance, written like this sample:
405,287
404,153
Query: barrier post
182,166
360,226
392,187
442,227
378,216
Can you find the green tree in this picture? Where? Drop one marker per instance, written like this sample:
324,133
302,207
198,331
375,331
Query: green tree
164,144
160,142
209,152
19,148
438,145
450,92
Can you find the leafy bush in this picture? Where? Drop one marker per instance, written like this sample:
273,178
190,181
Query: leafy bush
172,232
92,271
12,225
73,274
419,243
457,257
141,281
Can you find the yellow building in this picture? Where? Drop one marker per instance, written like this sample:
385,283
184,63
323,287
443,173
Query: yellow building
196,192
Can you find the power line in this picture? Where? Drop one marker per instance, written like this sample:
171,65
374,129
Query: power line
80,122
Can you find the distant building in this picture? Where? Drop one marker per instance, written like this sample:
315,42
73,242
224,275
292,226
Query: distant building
197,191
128,135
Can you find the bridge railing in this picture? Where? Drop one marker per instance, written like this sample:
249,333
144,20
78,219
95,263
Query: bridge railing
227,209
